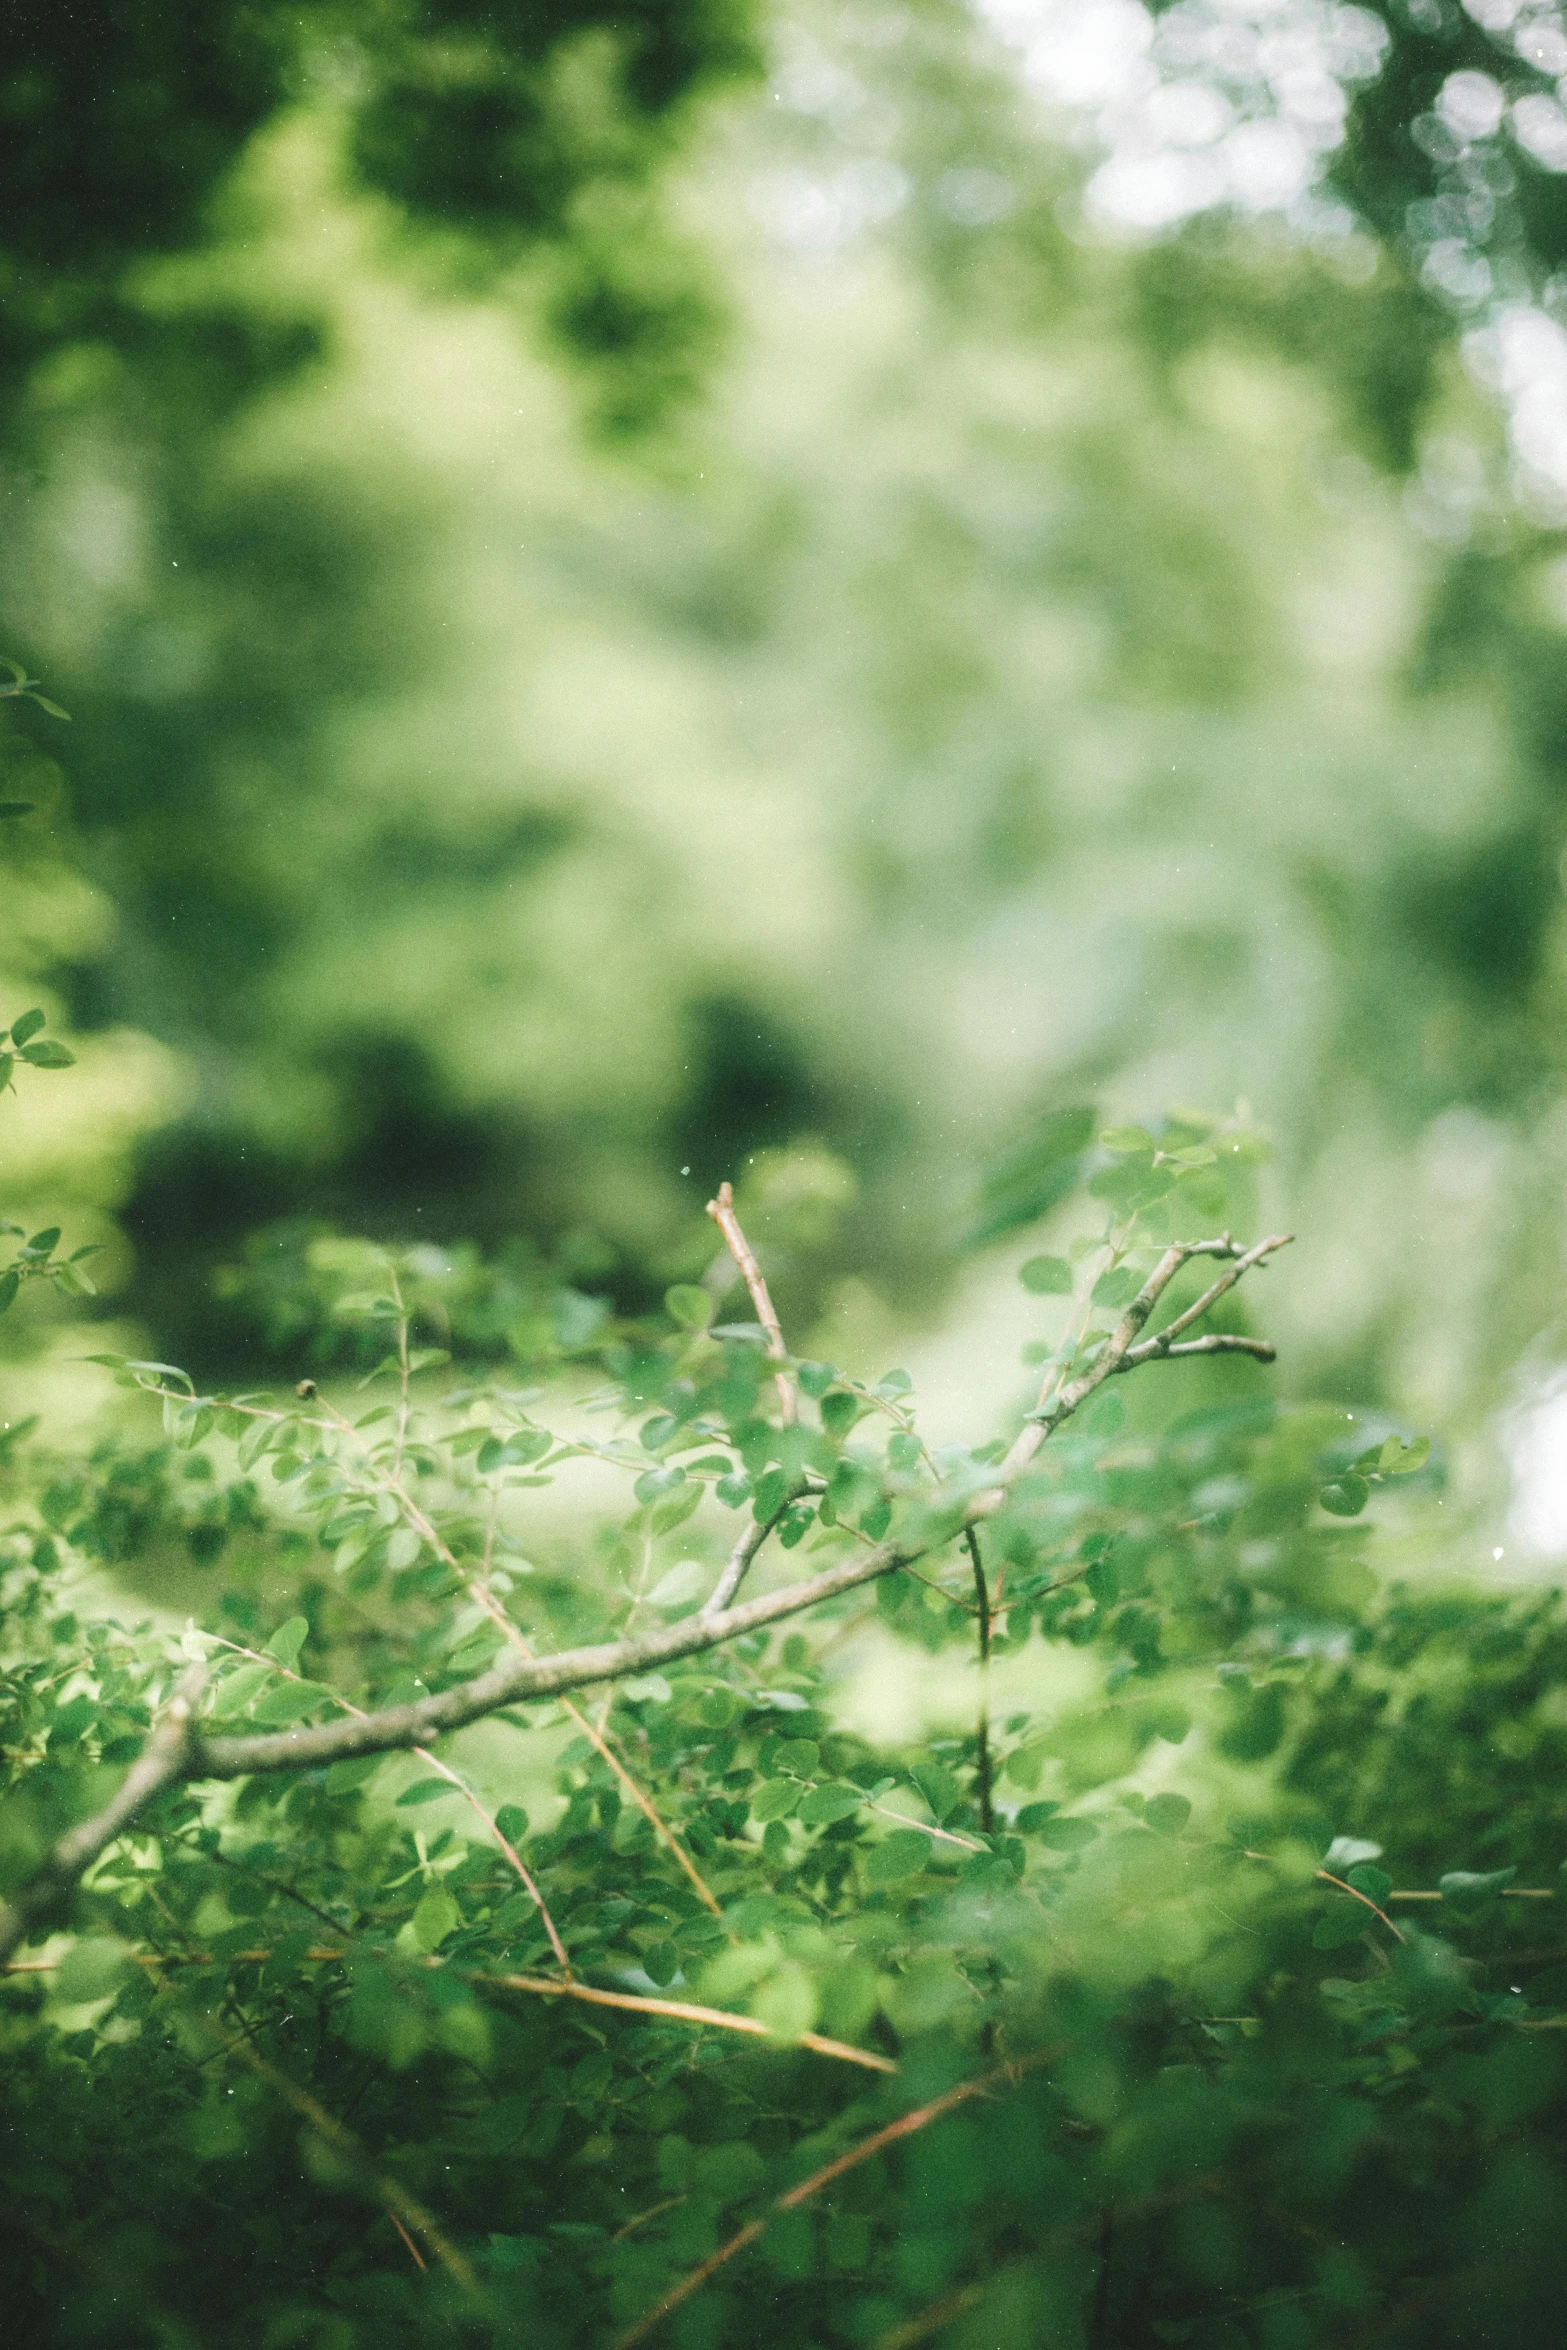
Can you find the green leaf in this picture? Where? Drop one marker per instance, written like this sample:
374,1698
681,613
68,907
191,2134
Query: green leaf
798,1756
683,1581
653,1484
53,709
28,1025
689,1305
1126,1139
436,1916
775,1799
235,1693
647,1689
772,1491
1548,1988
93,1968
291,1701
675,1508
1398,1459
1115,1287
898,1855
10,1283
1032,1178
17,807
1034,1816
1375,1884
836,1801
1341,1923
1067,1835
1466,1889
728,2173
1047,1277
47,1054
1346,1496
424,1791
1167,1815
286,1643
343,1777
940,1788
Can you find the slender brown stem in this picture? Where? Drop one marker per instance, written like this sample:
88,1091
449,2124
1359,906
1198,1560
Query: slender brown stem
687,2011
722,1211
414,2253
455,1780
403,2209
598,1738
1355,1895
480,1593
904,2127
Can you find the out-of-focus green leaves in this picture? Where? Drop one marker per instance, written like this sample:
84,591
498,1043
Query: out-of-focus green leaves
1033,1177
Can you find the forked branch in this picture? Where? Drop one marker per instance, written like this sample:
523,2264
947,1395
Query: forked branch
176,1751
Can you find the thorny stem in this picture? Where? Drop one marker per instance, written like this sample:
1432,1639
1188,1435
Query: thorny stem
722,1211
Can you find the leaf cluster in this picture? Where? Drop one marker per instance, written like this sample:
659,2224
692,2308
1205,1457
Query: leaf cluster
1206,1975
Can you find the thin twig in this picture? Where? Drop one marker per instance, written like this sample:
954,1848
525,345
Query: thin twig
481,1595
653,2211
1353,1891
454,1779
1355,1894
905,2127
414,2252
686,2011
749,1542
598,1737
403,2209
527,1677
722,1211
164,1760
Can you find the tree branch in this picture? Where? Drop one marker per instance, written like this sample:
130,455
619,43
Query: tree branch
176,1751
164,1760
722,1211
750,1542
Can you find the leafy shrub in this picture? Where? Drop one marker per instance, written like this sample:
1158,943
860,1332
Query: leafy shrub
481,1926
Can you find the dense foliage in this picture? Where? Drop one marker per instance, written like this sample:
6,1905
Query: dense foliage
1202,1988
567,1817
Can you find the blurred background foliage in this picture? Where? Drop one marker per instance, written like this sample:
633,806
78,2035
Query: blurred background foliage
643,590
